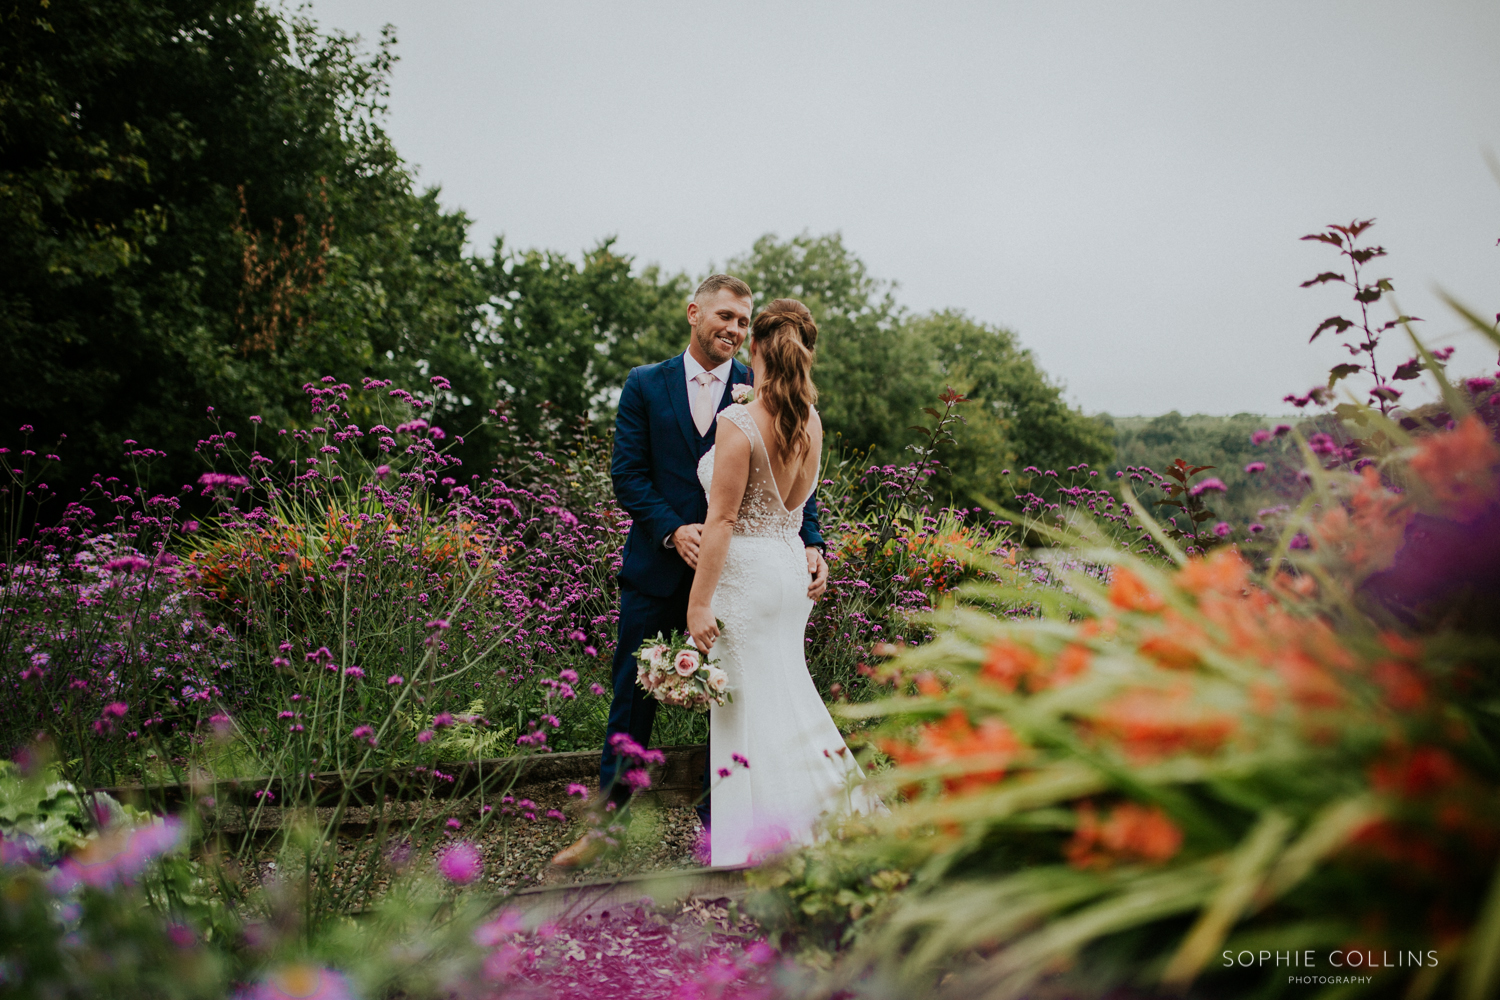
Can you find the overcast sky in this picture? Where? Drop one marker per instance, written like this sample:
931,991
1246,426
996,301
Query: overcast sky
1123,184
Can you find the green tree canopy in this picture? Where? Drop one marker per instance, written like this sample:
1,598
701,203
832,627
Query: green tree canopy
198,206
878,366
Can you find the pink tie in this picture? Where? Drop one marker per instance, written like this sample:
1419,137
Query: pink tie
703,411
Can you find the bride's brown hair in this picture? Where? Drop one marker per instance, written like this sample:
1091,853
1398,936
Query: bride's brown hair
786,337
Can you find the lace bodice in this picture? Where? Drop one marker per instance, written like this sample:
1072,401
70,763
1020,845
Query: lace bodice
762,514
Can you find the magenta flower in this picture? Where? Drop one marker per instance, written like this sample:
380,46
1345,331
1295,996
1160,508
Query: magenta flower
582,791
723,772
1222,529
395,679
1281,430
454,823
300,981
1323,444
127,564
638,779
354,672
117,856
1211,483
461,863
382,471
740,760
1260,437
442,720
597,689
1256,529
212,480
364,733
1255,467
425,736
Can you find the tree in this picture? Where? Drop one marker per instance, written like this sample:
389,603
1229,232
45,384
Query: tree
1018,416
567,335
198,206
873,379
878,367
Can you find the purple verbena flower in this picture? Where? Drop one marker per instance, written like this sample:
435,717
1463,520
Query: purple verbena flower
461,863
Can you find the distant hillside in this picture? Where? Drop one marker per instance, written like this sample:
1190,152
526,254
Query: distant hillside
1222,442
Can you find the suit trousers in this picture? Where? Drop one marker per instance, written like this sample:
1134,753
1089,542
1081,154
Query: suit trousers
632,710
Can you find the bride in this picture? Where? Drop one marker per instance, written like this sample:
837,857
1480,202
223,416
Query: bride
778,757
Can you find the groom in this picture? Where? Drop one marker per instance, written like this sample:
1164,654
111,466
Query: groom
665,424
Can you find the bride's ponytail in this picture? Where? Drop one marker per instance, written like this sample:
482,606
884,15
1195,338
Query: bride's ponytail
786,336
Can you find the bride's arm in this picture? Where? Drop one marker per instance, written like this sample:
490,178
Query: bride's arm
731,475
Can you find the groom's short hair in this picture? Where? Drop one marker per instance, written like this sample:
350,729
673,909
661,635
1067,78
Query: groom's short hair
715,282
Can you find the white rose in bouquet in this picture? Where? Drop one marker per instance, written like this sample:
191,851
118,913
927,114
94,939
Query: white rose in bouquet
716,680
687,662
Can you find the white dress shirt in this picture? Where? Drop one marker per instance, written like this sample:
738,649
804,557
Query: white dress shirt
691,369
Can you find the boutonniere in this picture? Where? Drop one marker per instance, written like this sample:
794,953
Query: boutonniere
742,393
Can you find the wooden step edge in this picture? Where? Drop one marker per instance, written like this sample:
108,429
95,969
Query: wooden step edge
653,890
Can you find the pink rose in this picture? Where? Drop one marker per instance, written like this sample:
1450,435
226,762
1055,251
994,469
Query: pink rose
717,680
687,663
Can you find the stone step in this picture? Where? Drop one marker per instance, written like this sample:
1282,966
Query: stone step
653,890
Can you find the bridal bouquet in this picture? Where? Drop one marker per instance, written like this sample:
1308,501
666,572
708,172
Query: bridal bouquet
674,673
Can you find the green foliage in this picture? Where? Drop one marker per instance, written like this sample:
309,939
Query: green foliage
1018,417
199,204
878,367
873,379
1223,443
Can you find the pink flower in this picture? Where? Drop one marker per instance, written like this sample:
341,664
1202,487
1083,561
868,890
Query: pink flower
425,736
1255,467
364,733
454,823
740,760
117,856
353,672
300,981
687,663
638,779
509,922
442,720
597,689
461,863
1211,483
582,791
395,679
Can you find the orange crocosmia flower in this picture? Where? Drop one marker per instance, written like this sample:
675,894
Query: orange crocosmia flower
1128,591
1307,681
1071,664
1007,663
1175,645
1131,833
1458,467
1370,529
929,685
953,738
1152,723
1403,687
1420,772
1401,646
1222,572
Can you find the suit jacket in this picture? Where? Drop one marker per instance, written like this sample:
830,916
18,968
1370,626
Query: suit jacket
655,472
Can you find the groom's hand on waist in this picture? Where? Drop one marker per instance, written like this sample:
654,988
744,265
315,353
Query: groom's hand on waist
817,569
685,541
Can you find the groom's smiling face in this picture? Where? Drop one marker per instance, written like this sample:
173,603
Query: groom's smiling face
720,323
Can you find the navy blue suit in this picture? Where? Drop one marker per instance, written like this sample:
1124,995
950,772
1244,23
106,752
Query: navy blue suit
655,473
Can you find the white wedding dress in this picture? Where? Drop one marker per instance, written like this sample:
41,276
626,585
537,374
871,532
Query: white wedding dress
799,767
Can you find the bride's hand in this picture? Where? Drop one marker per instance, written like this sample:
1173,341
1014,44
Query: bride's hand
703,628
